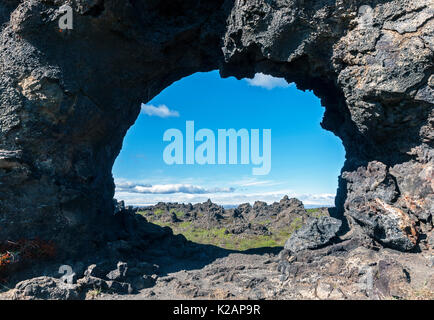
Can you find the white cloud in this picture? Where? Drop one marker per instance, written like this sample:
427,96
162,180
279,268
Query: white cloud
161,111
252,182
131,187
268,82
224,196
125,185
140,193
318,199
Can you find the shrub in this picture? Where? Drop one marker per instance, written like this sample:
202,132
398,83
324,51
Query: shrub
16,254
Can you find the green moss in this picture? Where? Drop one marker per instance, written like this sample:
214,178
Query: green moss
317,212
158,212
257,242
296,224
264,222
219,237
184,225
179,214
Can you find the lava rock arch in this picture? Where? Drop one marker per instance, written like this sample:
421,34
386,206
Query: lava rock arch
67,98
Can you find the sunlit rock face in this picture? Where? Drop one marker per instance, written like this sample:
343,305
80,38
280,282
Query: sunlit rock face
68,98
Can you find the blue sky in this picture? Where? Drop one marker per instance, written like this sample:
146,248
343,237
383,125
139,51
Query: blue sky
305,159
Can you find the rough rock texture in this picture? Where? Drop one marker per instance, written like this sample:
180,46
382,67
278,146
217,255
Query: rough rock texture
68,98
340,271
45,288
313,235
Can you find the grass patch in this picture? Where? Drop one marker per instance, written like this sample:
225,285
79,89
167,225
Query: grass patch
179,214
264,222
158,212
296,224
317,212
220,238
184,225
93,294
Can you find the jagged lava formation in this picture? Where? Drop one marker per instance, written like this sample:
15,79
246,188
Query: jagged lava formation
68,98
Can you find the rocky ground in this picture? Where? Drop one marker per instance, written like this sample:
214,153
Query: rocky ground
153,262
355,274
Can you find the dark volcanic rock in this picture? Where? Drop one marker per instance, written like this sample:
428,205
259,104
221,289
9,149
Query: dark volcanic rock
68,98
374,189
248,228
315,234
119,273
46,288
243,219
284,210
